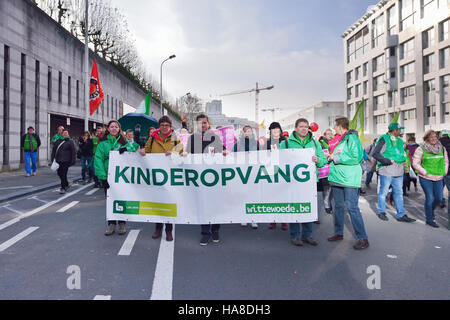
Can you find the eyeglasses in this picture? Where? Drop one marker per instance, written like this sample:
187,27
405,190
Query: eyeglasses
165,125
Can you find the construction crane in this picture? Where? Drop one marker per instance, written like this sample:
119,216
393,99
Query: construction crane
257,90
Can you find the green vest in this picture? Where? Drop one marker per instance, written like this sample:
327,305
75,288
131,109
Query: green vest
95,141
26,145
434,164
394,149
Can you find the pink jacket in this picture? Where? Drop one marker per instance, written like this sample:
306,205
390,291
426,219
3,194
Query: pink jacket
417,164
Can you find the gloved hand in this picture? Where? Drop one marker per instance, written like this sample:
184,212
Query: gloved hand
105,184
122,150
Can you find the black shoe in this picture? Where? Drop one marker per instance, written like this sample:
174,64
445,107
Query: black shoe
206,238
329,211
433,224
405,218
361,191
215,237
383,216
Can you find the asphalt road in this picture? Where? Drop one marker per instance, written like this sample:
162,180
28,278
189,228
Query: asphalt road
38,246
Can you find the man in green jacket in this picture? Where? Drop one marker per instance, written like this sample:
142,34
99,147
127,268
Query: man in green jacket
30,143
57,136
345,179
302,138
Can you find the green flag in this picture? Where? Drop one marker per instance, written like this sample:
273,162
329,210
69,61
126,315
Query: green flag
144,106
359,125
396,117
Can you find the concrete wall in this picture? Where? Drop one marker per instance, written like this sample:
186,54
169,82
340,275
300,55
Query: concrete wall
34,40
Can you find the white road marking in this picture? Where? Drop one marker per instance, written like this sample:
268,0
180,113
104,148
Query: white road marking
37,199
21,187
43,207
11,209
100,297
92,191
129,243
5,245
70,205
162,283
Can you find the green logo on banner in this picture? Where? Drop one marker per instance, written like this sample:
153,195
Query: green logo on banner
145,208
278,208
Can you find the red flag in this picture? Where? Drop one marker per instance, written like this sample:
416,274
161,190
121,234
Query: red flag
95,91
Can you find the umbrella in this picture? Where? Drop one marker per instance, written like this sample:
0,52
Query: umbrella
132,120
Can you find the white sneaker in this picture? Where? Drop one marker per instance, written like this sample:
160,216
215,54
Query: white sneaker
33,174
28,175
254,226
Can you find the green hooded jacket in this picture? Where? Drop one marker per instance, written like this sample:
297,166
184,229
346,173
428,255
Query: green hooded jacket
294,142
345,170
101,158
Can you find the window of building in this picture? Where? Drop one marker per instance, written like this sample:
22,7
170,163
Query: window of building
390,52
377,30
357,73
349,77
378,82
358,45
378,102
60,87
406,71
445,81
365,65
78,94
407,13
430,111
428,38
365,86
69,90
381,119
378,63
446,108
444,57
407,49
392,19
49,84
428,63
409,114
357,90
428,7
429,85
349,93
444,30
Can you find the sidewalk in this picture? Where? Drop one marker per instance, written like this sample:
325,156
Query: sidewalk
15,184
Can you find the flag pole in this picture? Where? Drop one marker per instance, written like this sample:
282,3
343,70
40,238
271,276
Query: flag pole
86,68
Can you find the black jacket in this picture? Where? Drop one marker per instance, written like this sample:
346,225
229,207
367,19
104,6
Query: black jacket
66,152
86,148
445,140
269,142
38,140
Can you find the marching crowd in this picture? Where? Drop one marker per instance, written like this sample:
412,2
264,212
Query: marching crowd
340,163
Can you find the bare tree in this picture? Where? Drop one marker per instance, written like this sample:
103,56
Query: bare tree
191,106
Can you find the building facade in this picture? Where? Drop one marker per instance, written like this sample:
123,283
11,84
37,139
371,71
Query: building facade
323,113
397,58
213,110
42,82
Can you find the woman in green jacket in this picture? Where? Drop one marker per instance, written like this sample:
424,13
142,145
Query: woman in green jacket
112,140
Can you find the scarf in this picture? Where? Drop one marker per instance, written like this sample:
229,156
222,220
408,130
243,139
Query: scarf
429,148
335,141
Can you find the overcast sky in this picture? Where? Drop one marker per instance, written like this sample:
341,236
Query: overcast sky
228,45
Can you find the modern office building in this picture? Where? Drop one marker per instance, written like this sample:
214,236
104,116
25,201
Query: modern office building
397,58
323,113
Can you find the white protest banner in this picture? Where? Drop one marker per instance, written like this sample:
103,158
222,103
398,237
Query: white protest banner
211,188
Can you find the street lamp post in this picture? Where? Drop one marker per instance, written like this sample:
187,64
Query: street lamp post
160,83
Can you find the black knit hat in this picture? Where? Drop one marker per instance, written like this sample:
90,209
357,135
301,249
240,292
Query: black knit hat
275,125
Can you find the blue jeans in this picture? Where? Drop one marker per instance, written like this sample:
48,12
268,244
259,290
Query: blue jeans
85,162
433,196
397,189
307,229
447,182
348,197
30,156
369,176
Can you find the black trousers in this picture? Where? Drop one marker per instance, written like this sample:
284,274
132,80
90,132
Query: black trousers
62,173
169,226
208,229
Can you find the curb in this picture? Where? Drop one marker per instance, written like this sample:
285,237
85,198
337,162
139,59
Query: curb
30,191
